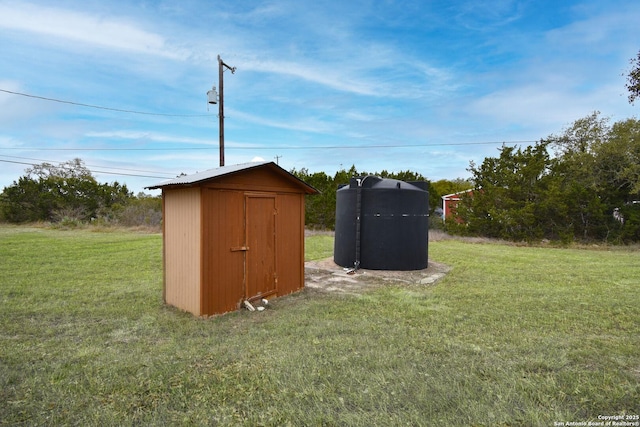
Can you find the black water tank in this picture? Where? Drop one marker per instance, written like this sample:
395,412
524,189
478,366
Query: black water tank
382,224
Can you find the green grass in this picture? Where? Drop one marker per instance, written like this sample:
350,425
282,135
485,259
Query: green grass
512,336
319,246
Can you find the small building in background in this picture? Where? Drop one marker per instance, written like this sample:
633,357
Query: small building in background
450,204
232,234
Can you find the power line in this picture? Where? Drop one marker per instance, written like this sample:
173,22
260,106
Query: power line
87,165
341,147
272,147
94,170
355,147
109,149
80,104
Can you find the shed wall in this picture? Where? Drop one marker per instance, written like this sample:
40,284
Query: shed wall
223,285
223,254
290,243
182,244
255,180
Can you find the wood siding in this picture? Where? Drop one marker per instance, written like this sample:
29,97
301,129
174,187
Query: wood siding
182,242
253,247
260,257
290,243
223,251
254,180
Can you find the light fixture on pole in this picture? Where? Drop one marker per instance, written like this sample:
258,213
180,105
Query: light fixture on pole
213,98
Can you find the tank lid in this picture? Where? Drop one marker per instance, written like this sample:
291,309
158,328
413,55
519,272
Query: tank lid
376,182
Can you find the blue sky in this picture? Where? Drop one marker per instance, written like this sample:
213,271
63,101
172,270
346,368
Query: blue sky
426,86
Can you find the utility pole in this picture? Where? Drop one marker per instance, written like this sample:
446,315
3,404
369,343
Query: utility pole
213,99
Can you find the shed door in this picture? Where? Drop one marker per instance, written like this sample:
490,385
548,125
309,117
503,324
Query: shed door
260,264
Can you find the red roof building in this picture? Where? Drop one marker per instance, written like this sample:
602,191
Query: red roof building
450,204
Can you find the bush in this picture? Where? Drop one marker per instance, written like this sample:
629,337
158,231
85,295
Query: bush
141,211
54,193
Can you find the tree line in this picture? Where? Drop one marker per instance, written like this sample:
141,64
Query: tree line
583,184
320,209
69,194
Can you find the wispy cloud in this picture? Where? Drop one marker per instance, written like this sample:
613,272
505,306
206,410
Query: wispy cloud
307,125
326,75
488,15
121,34
596,32
144,137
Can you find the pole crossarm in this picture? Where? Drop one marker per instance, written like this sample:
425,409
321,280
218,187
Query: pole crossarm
228,67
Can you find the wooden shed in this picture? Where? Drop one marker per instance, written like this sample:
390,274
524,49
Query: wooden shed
232,234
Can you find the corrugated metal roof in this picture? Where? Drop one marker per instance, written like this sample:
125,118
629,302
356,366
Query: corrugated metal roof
222,171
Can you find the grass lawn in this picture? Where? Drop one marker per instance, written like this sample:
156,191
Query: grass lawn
511,336
319,246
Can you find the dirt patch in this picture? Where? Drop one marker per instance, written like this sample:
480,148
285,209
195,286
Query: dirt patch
325,275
